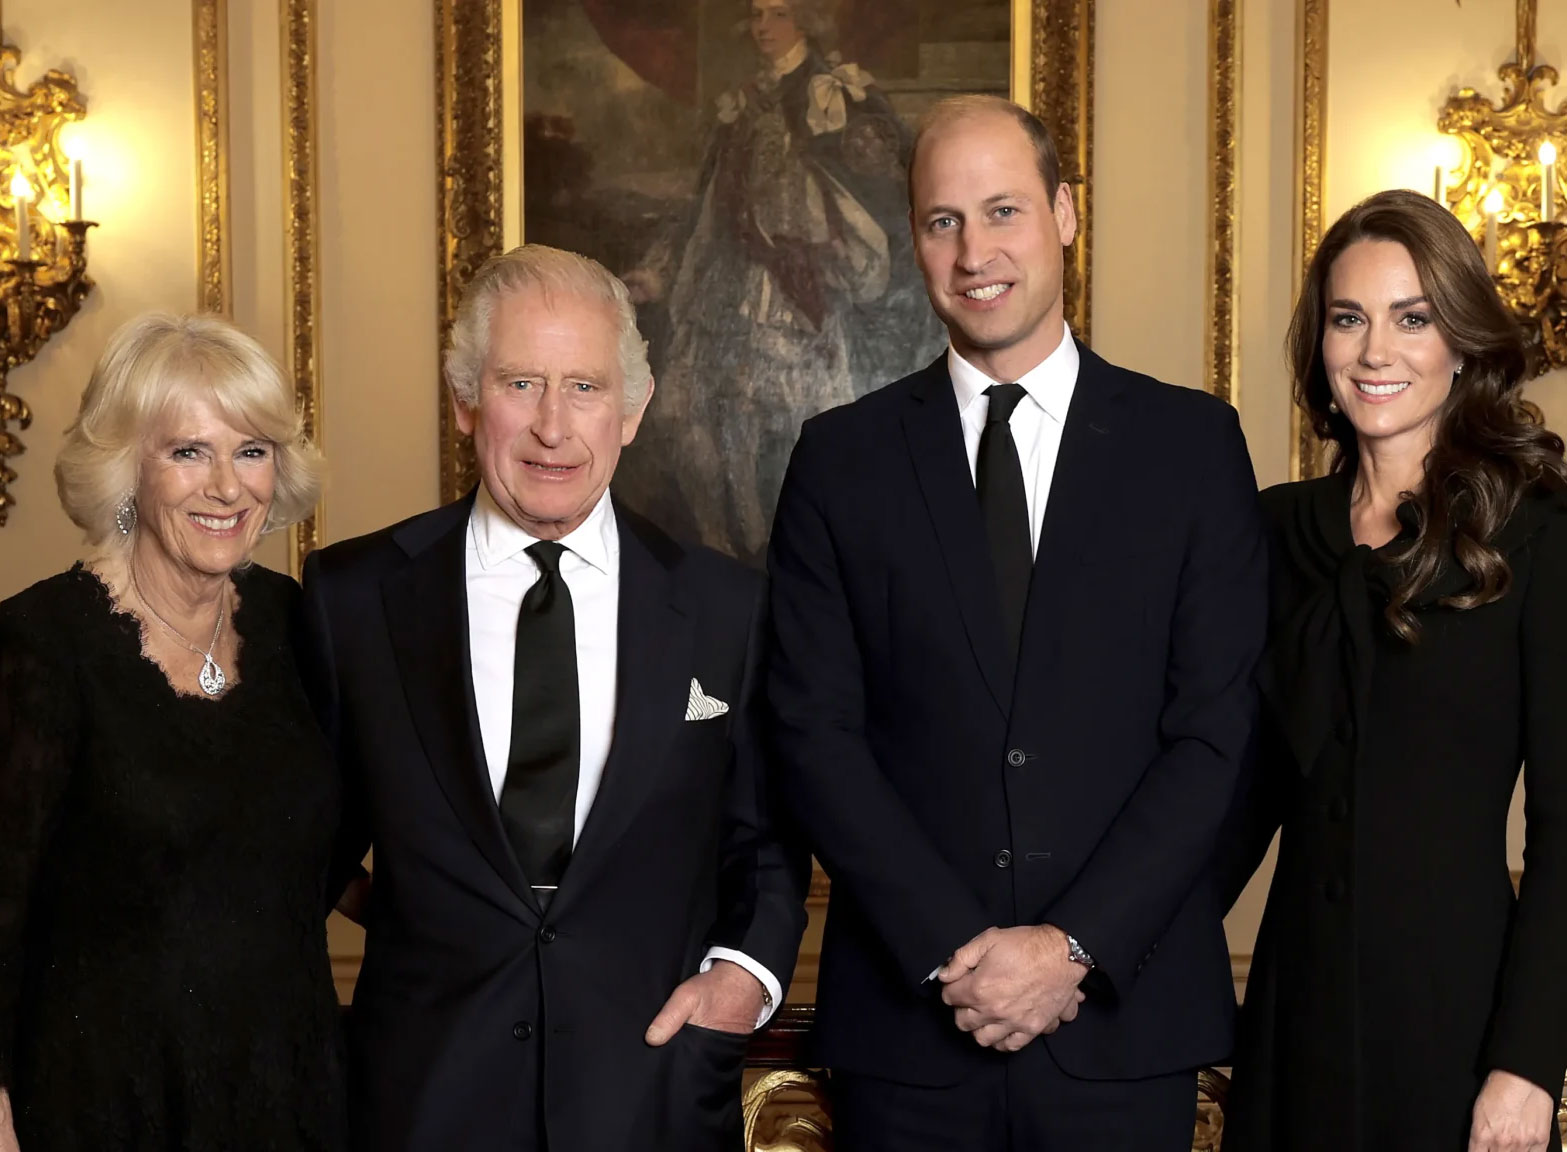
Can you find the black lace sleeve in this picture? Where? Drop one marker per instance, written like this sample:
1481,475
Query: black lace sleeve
38,733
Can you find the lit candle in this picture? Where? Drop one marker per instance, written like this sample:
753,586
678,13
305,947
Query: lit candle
23,191
1493,208
1440,186
71,145
1547,182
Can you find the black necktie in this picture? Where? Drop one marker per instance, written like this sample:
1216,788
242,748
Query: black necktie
1004,506
539,798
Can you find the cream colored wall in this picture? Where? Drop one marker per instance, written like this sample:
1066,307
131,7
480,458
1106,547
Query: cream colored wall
133,63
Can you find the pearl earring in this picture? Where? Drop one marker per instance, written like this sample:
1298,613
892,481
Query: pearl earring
1333,407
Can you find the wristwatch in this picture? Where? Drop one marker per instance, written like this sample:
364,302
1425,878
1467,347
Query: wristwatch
1077,953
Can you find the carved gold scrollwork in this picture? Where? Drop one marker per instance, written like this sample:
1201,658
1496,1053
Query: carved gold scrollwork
302,262
1308,455
1224,47
786,1110
212,155
43,293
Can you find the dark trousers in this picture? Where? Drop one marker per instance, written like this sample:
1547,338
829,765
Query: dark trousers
1015,1108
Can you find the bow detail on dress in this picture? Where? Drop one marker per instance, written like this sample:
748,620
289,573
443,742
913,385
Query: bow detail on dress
825,107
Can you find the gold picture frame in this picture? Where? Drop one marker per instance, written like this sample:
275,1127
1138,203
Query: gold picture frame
471,130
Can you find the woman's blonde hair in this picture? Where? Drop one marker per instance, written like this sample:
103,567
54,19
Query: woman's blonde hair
152,366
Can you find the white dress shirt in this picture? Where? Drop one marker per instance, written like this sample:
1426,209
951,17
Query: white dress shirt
499,573
1037,421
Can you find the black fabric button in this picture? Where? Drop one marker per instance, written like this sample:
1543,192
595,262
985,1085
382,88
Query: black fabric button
1338,808
1334,889
1004,859
1346,731
522,1030
1016,757
547,934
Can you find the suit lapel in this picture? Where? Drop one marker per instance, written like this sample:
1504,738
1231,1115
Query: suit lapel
427,618
934,432
653,681
1088,469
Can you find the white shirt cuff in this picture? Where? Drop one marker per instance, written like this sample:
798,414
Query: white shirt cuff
769,981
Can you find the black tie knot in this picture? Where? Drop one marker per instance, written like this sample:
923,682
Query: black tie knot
546,554
1004,399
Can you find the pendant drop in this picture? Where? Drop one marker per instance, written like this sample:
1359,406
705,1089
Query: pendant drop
212,679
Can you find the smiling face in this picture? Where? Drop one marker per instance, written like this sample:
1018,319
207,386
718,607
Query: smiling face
1388,366
551,417
204,490
988,238
773,28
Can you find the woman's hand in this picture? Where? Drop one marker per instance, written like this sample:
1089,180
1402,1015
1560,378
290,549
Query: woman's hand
7,1130
1511,1114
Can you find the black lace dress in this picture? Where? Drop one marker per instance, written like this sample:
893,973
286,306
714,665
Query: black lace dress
164,981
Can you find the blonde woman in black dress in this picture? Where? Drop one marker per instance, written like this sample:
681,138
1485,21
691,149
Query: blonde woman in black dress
167,804
1400,996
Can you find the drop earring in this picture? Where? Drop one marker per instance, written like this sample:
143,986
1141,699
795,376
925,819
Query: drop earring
125,514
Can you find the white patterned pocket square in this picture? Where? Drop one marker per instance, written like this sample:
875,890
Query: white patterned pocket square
702,706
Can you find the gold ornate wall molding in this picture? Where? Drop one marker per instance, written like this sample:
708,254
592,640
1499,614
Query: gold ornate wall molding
1062,71
1224,61
302,262
1308,455
214,273
470,144
468,193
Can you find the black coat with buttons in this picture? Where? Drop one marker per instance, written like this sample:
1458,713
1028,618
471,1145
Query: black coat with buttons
945,792
1394,967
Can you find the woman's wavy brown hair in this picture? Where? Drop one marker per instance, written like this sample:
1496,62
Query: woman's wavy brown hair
1490,447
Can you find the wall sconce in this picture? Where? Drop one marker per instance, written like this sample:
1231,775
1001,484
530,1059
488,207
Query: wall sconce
1507,189
43,238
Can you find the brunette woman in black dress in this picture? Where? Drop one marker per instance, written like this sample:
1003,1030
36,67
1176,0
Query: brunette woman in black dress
1400,997
167,803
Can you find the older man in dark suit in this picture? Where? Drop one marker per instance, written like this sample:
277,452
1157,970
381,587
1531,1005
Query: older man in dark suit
546,712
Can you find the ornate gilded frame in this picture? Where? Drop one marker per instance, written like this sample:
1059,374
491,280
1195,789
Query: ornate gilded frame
469,148
1224,60
214,273
302,260
1308,455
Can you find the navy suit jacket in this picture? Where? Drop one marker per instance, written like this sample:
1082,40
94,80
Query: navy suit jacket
478,1021
945,793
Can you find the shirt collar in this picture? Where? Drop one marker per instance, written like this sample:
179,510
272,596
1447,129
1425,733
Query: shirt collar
497,537
1049,383
791,59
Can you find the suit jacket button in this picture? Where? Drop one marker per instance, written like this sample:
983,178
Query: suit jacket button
1335,889
1004,859
1338,808
547,934
1016,757
522,1030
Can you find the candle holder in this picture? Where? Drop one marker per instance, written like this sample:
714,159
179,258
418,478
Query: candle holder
1511,165
43,263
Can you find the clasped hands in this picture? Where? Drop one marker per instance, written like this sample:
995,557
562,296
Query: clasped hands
1009,985
725,998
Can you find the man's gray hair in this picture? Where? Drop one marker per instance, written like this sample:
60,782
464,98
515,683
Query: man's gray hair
551,271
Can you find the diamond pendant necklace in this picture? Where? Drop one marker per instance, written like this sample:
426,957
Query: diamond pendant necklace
212,679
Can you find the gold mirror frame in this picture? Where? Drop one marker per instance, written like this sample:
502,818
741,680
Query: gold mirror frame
470,131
